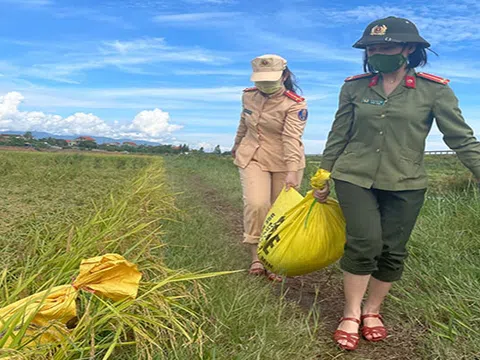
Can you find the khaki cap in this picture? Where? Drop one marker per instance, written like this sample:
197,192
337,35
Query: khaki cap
268,68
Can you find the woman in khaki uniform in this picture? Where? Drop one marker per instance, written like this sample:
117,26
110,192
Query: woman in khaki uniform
375,154
268,149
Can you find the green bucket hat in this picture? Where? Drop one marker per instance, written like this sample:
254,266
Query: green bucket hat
390,30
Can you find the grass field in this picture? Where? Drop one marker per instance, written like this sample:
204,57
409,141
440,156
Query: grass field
179,217
434,311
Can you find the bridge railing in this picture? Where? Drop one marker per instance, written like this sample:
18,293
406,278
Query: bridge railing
440,152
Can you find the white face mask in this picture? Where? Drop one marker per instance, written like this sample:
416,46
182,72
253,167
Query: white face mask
269,87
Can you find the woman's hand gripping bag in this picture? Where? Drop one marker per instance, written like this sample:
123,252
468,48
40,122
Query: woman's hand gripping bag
301,235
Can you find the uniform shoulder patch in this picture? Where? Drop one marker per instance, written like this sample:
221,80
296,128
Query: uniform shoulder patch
293,96
359,76
433,78
250,89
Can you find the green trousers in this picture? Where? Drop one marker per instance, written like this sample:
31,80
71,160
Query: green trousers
379,224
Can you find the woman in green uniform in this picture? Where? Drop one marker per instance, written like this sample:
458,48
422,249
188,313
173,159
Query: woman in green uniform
375,153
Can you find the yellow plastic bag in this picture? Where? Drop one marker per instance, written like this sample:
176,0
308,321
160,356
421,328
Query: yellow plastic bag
301,235
47,312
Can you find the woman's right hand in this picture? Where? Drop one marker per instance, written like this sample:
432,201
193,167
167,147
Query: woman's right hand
234,150
322,195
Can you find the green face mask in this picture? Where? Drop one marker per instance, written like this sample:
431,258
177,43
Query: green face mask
387,63
269,87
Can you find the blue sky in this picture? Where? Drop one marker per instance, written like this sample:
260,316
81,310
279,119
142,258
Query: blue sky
173,71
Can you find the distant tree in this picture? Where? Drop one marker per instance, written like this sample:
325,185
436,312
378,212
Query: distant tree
28,135
87,145
54,141
61,142
217,150
16,142
201,150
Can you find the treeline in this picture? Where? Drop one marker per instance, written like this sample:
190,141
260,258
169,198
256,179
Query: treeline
27,140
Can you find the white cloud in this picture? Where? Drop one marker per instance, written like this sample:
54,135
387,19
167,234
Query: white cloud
28,2
155,123
208,101
439,22
128,56
206,146
124,47
147,125
213,2
194,17
207,140
436,145
306,49
314,146
90,14
226,72
153,50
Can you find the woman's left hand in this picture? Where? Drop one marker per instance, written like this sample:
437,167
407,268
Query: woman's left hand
291,180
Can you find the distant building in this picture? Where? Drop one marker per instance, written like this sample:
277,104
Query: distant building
115,143
129,143
85,138
79,140
11,136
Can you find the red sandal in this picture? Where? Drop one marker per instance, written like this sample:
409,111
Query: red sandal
351,338
274,277
380,331
257,271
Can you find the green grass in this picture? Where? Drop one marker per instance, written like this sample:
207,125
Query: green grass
250,322
60,208
44,192
440,291
93,205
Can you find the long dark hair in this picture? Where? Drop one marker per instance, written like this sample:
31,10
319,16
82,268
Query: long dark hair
417,58
290,82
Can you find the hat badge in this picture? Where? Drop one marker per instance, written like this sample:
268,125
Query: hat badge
264,62
379,30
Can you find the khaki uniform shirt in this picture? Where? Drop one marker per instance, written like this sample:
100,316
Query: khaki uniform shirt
379,141
270,131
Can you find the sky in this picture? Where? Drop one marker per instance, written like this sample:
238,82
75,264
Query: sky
173,71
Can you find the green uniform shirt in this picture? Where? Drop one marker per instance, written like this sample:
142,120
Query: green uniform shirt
379,141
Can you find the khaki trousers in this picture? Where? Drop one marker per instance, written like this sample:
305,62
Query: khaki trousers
260,189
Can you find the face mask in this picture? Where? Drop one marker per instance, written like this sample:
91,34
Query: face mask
269,87
387,63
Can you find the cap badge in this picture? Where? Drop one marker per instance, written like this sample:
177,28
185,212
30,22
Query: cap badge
379,30
264,62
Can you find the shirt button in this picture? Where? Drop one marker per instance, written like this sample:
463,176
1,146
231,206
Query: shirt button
381,133
382,116
378,150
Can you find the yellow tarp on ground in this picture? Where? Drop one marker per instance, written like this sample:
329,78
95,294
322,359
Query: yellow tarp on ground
48,312
301,235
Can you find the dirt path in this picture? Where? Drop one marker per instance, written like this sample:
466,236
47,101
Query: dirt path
323,289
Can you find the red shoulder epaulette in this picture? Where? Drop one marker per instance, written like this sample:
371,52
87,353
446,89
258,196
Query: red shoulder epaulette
434,78
250,89
360,76
293,96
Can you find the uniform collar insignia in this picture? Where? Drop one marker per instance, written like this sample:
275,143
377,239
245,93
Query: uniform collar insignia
374,81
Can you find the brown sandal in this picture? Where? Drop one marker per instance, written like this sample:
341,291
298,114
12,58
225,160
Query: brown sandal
257,271
351,338
377,330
